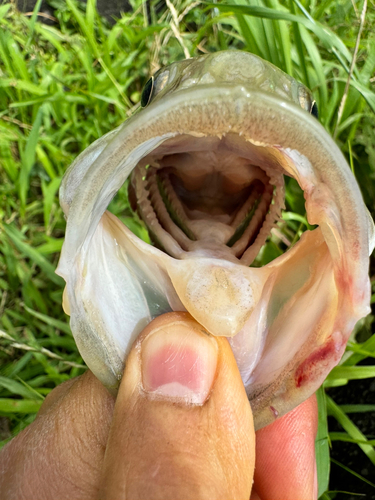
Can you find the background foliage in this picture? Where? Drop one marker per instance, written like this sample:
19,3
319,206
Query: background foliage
66,83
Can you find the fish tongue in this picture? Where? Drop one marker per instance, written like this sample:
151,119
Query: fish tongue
219,294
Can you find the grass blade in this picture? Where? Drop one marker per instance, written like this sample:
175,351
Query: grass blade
17,238
352,472
322,444
28,158
8,405
353,431
19,389
328,38
352,372
55,323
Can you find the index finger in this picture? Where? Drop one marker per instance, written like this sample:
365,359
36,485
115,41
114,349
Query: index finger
285,464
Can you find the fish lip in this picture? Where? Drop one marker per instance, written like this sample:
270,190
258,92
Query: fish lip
215,94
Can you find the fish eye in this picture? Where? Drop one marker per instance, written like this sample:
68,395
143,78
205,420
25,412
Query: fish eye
314,110
147,92
307,101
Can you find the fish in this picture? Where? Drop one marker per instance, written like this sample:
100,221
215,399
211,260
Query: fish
206,161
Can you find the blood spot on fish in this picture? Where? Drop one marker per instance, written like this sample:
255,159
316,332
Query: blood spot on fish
317,362
356,250
344,280
274,412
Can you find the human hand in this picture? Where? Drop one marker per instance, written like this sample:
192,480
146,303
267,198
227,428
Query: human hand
197,444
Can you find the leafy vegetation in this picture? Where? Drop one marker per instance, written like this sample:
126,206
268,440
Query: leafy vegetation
67,83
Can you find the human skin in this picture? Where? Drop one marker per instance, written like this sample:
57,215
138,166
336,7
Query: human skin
159,439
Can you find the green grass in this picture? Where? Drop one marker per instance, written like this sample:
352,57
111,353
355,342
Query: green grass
63,86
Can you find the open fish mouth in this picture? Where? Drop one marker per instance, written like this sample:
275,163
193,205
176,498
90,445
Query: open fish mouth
206,162
210,197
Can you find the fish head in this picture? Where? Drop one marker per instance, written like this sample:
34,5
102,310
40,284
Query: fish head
206,161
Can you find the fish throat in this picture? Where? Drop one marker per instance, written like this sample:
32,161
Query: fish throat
212,197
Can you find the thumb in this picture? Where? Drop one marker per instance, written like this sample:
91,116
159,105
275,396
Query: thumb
182,426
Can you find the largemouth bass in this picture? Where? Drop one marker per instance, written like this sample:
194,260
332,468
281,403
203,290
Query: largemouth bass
206,161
